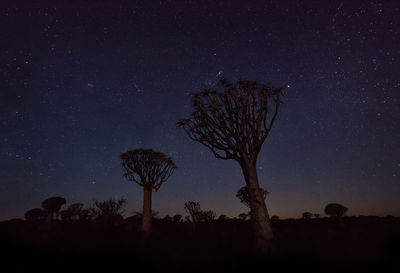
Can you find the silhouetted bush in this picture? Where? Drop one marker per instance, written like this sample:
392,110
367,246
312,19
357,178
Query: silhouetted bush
306,215
109,211
336,210
274,218
177,218
66,215
35,215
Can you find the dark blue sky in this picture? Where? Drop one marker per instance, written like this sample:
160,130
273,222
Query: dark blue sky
82,82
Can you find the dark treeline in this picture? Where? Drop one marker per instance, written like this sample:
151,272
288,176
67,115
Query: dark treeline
100,239
112,244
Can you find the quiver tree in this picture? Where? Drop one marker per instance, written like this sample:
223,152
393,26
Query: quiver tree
35,215
52,205
234,123
306,215
150,170
193,208
335,210
198,215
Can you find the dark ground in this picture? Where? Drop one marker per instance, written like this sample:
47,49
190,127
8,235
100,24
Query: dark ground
355,244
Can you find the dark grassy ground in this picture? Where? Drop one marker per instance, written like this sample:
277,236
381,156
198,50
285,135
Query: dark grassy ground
356,244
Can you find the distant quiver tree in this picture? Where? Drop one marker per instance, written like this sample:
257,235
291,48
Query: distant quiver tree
35,215
335,210
52,205
234,123
244,195
193,208
150,170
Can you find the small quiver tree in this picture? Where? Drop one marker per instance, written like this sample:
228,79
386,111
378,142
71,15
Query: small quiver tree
35,216
150,170
306,215
52,205
335,210
244,195
193,208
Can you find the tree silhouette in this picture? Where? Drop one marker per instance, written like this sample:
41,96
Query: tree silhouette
76,210
148,169
66,215
234,124
193,208
244,196
84,215
274,218
35,215
109,211
306,215
335,210
177,218
108,207
198,215
52,205
207,215
167,218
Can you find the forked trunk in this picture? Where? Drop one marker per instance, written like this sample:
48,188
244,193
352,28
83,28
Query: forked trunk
146,217
263,235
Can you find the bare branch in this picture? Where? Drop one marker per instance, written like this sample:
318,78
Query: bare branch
234,122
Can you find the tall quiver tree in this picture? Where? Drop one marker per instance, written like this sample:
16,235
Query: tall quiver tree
148,169
234,123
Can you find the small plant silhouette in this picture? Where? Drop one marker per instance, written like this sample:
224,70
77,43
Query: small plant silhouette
307,215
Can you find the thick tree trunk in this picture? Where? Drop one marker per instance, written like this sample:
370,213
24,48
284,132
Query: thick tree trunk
263,235
146,217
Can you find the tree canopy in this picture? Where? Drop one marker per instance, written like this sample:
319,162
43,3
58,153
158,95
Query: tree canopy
234,122
147,167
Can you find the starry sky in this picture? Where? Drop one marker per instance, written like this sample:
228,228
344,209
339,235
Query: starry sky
83,81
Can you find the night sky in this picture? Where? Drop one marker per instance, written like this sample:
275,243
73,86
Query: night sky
83,81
